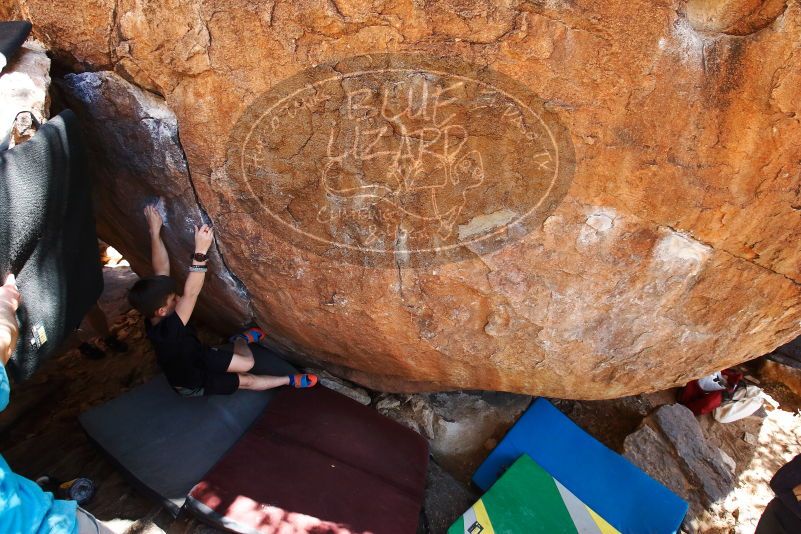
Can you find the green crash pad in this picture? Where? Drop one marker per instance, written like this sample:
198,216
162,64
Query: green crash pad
527,500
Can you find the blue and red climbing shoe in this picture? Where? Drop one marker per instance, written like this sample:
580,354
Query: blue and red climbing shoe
303,381
251,335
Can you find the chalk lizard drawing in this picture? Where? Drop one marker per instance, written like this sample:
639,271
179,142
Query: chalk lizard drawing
428,173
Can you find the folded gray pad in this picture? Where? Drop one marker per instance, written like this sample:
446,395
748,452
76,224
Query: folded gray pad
165,443
47,238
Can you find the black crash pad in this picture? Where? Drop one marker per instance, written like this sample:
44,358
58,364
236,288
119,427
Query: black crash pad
165,443
47,237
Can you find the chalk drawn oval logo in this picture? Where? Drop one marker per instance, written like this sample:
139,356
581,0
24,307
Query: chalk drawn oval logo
401,160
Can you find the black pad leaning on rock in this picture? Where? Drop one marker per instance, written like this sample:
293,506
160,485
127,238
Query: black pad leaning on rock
48,238
12,34
165,443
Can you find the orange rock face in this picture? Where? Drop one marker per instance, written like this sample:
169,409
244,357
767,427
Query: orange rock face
576,199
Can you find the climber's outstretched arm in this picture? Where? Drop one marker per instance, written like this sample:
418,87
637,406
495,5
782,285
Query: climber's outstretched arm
204,236
158,252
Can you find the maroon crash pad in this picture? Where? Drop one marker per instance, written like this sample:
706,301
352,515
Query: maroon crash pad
317,461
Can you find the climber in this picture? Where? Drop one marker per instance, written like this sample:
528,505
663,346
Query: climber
191,368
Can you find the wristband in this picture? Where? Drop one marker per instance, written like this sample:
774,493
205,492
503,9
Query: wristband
198,268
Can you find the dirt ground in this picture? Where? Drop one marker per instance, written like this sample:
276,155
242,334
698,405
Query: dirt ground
40,434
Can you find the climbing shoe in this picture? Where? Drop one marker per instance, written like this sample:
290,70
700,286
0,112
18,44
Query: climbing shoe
303,381
251,335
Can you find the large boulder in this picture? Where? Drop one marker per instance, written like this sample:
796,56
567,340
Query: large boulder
576,199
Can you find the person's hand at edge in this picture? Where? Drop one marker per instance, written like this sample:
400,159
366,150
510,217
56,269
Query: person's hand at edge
204,236
154,220
9,328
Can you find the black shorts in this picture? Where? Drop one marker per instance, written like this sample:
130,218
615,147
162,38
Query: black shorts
216,360
220,383
216,381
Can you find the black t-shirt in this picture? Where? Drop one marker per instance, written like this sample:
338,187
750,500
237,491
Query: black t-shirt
178,351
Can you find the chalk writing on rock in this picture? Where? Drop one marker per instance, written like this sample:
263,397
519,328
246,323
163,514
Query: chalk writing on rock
401,160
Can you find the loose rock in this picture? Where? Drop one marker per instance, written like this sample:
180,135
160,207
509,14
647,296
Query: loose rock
701,461
446,499
784,374
330,381
670,446
458,425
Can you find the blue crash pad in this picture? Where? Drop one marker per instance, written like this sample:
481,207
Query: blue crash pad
616,489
